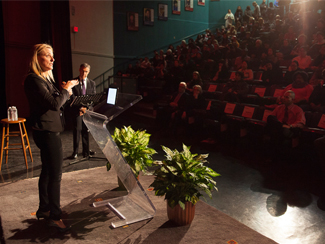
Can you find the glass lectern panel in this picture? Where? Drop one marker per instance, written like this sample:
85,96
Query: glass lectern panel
136,206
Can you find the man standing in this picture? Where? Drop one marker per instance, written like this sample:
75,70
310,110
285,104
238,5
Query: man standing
86,86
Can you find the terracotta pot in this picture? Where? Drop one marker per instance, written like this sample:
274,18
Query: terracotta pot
179,216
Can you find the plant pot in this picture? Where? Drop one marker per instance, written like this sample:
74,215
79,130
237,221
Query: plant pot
179,216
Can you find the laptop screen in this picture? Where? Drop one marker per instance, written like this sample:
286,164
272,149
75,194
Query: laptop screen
111,96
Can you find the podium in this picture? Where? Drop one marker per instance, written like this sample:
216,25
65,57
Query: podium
136,205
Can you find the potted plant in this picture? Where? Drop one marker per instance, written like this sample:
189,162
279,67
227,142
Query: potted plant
134,148
179,178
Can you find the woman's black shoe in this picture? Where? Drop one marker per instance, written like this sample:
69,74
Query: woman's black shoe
53,224
42,215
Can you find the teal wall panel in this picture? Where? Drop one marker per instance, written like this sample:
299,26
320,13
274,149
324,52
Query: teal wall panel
130,44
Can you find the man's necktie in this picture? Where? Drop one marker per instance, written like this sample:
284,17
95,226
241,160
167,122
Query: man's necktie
83,87
286,114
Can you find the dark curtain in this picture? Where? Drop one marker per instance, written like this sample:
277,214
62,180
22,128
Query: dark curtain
55,30
3,105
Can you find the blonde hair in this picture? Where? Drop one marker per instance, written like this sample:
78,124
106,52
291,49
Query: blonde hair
34,66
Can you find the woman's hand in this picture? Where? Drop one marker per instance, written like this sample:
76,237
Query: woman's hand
69,84
82,111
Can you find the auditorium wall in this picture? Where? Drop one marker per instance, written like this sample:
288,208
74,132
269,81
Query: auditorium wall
130,44
93,43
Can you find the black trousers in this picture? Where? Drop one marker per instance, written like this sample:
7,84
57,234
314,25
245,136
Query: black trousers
50,179
80,129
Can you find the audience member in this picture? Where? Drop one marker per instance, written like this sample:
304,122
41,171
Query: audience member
195,110
300,87
248,73
303,59
257,11
229,17
223,73
317,97
270,75
320,41
293,68
319,59
175,108
234,90
238,15
195,81
263,8
302,42
284,123
247,14
285,49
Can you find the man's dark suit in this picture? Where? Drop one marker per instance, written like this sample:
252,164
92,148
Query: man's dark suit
78,126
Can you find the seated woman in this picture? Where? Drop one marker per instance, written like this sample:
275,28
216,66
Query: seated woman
233,91
303,59
300,87
248,73
195,81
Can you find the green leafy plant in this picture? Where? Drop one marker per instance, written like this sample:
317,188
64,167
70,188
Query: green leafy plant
134,148
182,175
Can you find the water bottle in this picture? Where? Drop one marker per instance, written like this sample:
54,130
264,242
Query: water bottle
14,113
9,114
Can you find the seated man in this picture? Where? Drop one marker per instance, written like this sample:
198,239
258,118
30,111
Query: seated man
175,108
300,87
285,121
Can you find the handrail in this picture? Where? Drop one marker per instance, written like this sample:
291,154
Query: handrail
139,56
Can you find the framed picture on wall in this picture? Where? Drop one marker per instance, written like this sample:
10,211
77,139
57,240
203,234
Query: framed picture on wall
148,16
162,11
176,6
189,5
201,2
133,21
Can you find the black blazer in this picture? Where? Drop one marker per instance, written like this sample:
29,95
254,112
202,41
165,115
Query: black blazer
45,103
91,88
77,91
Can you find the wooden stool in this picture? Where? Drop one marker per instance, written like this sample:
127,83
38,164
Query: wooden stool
22,133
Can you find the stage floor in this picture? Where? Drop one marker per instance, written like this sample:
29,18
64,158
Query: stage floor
282,207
